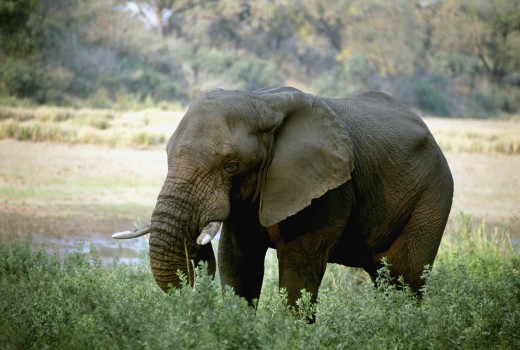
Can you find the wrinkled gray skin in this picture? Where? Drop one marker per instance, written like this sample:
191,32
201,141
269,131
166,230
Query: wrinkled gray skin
345,181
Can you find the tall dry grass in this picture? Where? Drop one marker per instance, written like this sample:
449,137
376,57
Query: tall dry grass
88,126
153,127
477,135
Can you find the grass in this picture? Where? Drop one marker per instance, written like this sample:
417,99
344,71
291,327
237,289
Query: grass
88,126
150,127
504,141
471,301
477,136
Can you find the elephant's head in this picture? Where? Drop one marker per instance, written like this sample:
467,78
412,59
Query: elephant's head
278,147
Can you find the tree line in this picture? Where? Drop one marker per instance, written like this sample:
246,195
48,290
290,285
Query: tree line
443,57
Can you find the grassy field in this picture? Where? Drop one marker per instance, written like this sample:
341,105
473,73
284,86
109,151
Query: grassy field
73,176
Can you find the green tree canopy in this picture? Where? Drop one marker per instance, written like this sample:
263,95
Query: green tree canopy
466,53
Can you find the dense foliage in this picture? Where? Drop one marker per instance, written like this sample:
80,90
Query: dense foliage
471,300
446,57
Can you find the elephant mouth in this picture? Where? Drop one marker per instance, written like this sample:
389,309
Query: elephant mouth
207,234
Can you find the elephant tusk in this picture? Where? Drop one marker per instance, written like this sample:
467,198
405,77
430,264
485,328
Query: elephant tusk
209,232
137,232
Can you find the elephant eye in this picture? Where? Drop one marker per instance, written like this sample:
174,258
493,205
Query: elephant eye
232,166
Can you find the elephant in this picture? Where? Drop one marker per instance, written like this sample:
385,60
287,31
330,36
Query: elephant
320,180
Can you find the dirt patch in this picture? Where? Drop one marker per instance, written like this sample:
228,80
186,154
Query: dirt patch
486,185
63,193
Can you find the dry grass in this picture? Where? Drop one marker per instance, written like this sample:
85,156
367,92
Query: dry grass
153,127
88,126
477,136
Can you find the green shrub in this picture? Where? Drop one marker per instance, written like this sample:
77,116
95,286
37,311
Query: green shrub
505,98
484,101
13,101
348,77
451,64
430,99
100,99
56,83
470,300
21,78
252,73
133,84
425,92
212,68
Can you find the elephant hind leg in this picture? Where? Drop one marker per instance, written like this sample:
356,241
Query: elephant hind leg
417,244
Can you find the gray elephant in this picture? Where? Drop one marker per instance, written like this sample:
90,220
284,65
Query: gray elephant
320,180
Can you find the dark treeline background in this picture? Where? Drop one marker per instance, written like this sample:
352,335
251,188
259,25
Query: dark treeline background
444,57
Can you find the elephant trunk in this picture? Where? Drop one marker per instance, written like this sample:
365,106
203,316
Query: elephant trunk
167,261
173,247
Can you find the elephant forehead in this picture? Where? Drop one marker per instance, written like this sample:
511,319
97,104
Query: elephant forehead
202,149
197,131
231,105
213,131
203,145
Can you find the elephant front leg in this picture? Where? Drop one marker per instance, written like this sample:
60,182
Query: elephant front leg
298,272
241,263
302,260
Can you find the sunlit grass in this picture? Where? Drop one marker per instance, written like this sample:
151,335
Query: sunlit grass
477,136
149,127
88,126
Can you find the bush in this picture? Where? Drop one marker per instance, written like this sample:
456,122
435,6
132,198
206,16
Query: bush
424,92
57,82
430,99
13,101
207,69
346,78
506,99
470,300
131,84
252,73
20,78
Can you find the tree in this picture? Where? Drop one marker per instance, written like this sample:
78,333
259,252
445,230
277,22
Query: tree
485,33
229,24
273,22
330,20
15,33
20,73
165,16
387,36
499,48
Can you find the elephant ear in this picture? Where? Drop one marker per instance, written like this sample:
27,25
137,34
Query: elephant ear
312,154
